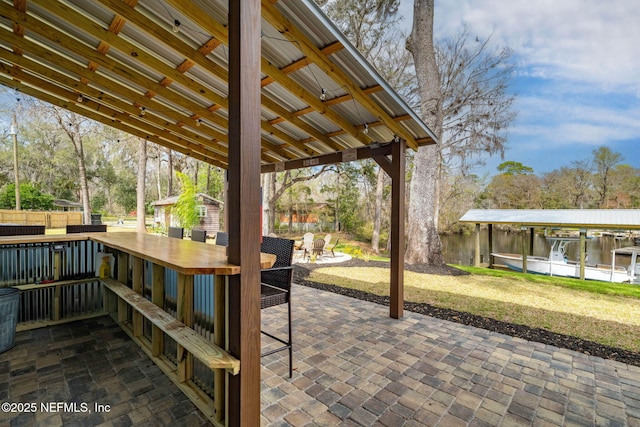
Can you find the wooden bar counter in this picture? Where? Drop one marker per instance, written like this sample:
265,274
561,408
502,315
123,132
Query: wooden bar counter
129,307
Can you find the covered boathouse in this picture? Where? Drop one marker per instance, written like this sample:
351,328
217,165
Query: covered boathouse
528,220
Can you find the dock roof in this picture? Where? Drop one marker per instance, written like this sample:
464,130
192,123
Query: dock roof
621,219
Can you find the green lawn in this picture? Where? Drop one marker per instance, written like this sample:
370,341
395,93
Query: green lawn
598,311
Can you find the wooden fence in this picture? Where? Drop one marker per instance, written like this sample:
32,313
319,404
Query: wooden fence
48,219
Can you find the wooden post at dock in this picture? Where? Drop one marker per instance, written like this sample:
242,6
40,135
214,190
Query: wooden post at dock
490,245
583,250
523,232
476,252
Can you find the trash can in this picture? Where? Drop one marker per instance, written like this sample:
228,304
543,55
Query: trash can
96,219
9,300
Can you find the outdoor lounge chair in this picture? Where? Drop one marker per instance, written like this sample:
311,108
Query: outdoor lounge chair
307,244
199,235
275,287
331,248
318,248
176,232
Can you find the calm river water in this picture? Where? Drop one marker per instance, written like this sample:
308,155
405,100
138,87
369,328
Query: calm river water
458,248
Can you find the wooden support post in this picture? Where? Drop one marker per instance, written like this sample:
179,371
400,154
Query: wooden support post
185,315
123,266
398,178
490,237
57,265
523,233
244,210
476,251
583,251
219,303
531,239
157,297
137,284
56,303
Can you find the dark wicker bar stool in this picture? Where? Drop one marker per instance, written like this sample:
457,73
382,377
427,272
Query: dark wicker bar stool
176,232
275,287
199,235
222,238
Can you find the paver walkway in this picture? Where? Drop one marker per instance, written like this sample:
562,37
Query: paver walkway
353,366
356,366
87,363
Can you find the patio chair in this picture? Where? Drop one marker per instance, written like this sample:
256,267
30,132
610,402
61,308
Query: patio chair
307,244
176,232
330,248
222,238
86,228
21,230
318,248
275,287
327,239
199,235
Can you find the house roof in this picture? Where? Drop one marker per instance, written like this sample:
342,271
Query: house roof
623,219
121,63
66,203
174,199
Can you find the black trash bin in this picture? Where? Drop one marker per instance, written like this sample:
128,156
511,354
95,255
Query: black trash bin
9,300
96,219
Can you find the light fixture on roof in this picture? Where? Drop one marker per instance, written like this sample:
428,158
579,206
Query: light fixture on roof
80,98
366,128
176,26
198,122
143,111
323,94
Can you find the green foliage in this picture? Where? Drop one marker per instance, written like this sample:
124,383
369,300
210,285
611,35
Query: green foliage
346,201
125,193
99,202
514,168
31,198
186,208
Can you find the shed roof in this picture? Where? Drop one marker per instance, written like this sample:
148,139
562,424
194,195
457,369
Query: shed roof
121,63
64,203
174,199
624,219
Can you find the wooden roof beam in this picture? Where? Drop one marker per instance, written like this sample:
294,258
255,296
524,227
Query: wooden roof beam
272,15
220,32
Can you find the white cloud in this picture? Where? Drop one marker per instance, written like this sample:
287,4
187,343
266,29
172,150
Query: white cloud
583,40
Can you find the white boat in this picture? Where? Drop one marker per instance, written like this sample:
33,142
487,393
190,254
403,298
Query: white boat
557,264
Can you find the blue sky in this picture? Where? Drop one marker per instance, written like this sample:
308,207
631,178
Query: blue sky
577,79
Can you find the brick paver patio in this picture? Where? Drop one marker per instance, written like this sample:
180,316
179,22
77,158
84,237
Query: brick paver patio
353,366
356,366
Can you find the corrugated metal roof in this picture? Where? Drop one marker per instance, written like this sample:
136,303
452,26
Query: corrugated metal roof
125,60
625,219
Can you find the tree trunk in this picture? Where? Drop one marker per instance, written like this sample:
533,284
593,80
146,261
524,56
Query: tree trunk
377,216
158,170
170,179
423,242
272,202
141,225
266,208
71,126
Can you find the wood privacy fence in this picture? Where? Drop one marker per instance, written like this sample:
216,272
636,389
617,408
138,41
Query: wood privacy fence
48,219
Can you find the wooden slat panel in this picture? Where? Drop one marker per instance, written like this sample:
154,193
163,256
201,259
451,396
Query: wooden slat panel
210,354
